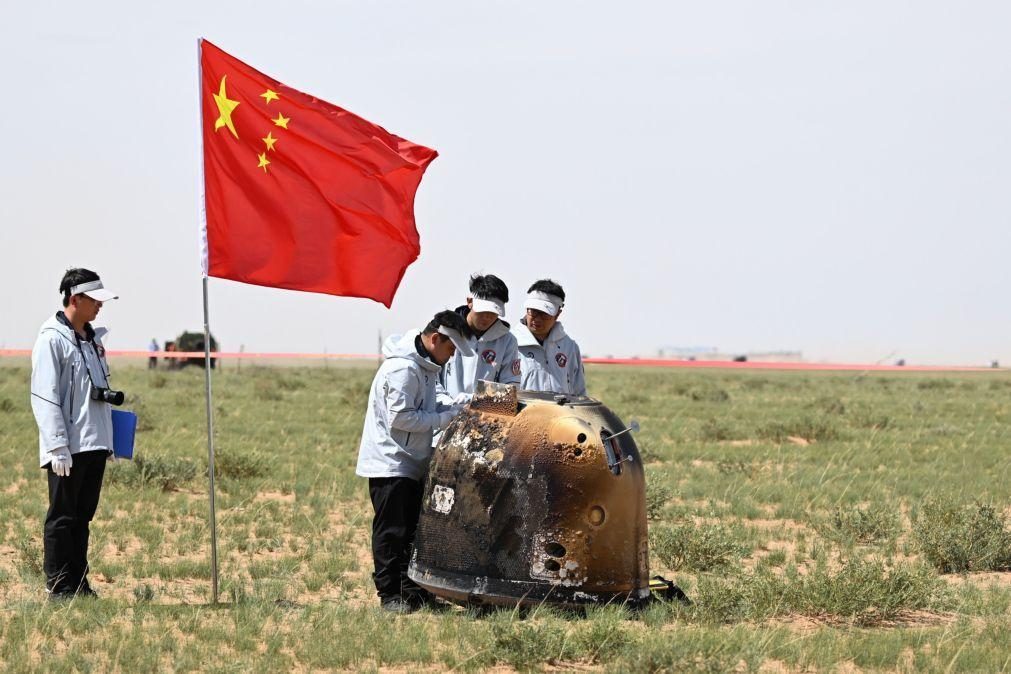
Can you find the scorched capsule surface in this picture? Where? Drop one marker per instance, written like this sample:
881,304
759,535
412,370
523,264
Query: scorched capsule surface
529,499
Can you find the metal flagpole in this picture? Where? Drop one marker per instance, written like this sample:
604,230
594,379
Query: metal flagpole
210,449
207,336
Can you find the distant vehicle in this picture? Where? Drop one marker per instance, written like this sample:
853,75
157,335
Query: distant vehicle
192,341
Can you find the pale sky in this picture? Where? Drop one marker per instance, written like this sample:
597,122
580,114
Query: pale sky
827,177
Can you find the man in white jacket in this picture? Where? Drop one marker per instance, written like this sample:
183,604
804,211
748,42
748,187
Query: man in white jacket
549,360
69,374
396,447
494,346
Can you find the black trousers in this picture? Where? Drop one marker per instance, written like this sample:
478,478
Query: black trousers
73,501
397,502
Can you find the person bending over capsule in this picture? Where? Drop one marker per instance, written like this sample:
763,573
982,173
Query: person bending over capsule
396,447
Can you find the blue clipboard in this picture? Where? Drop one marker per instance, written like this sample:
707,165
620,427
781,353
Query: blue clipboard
124,428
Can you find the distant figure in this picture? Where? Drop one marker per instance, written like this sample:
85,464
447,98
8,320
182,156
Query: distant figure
152,348
994,364
901,362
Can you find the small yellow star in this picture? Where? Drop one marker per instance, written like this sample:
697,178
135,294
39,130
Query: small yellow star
263,162
269,140
225,108
269,96
281,121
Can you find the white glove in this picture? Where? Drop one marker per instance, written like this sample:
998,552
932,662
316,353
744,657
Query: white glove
446,416
62,461
463,398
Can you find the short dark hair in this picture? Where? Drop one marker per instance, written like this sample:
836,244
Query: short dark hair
489,287
546,285
75,276
449,319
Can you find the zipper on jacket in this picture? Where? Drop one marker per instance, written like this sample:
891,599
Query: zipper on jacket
73,385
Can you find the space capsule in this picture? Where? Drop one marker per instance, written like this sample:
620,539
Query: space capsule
534,498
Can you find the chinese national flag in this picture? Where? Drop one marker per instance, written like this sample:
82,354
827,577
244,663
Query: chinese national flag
299,193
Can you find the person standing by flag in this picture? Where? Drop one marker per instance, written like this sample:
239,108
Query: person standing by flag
71,402
549,360
493,344
396,447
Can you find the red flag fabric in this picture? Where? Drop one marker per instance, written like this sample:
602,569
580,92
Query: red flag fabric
299,193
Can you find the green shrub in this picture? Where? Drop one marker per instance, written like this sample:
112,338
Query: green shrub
718,430
870,524
696,547
29,555
956,538
709,395
808,428
7,405
657,496
166,473
239,465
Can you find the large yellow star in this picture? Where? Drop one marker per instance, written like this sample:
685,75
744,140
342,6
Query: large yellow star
269,140
263,162
269,96
225,108
281,121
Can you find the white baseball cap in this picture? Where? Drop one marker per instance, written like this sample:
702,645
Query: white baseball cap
549,304
95,290
480,304
462,345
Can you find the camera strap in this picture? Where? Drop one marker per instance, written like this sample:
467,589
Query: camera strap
90,338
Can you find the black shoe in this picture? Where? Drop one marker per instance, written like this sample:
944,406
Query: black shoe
86,591
397,605
60,595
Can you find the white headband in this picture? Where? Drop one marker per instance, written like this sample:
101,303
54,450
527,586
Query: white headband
462,345
95,290
549,304
481,304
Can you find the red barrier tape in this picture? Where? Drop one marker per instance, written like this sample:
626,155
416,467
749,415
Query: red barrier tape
214,354
640,362
760,365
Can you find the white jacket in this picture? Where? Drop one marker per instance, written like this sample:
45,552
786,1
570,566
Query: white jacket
402,414
61,391
557,366
494,355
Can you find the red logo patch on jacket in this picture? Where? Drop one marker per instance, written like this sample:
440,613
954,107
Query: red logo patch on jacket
561,359
488,356
516,367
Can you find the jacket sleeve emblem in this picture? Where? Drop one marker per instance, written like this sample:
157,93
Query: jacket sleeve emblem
516,367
